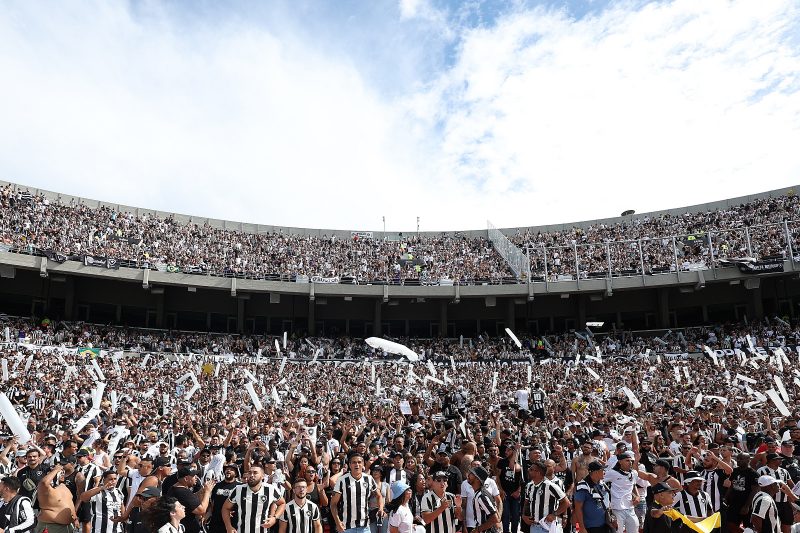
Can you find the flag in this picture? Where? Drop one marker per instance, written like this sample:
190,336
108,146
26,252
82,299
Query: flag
704,526
89,352
208,369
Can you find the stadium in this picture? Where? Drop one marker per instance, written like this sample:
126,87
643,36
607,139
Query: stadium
206,326
540,280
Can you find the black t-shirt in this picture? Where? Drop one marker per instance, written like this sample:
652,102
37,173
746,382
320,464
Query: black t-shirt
662,524
189,500
219,494
742,482
35,476
510,476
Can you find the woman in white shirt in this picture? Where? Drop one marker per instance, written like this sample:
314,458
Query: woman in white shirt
401,519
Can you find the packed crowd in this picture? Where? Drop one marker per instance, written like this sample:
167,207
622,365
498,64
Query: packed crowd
665,243
615,344
109,441
754,229
72,230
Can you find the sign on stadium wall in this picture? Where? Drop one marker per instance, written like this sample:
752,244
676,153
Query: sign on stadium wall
321,279
360,234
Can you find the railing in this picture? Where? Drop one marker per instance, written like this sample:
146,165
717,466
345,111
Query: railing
599,260
517,260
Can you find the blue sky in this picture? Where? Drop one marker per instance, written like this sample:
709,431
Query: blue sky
335,114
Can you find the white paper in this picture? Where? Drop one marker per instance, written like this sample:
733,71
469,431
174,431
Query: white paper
144,360
284,340
776,399
530,371
698,400
224,389
632,397
593,373
114,403
97,395
277,347
514,338
275,396
781,389
746,379
4,362
15,423
97,370
253,396
283,365
85,419
191,392
677,374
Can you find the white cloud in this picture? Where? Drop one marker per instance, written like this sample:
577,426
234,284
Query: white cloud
540,118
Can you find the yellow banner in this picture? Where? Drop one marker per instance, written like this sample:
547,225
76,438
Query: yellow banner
704,526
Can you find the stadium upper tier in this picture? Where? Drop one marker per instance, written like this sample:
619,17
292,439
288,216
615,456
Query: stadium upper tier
763,227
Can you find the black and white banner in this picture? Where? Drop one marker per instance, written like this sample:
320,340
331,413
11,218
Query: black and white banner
101,262
321,279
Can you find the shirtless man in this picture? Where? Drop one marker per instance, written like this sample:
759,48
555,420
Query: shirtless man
580,463
57,510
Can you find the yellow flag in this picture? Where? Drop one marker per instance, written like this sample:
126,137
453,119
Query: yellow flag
704,526
208,369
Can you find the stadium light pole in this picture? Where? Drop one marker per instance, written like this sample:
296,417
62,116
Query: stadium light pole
417,227
384,227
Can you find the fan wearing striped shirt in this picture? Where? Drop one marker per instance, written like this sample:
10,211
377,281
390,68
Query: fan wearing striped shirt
88,477
106,504
441,510
300,514
258,504
350,499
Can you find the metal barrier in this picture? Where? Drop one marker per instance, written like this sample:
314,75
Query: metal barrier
516,258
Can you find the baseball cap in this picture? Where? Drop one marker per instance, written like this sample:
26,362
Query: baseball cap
766,481
661,487
691,476
151,492
440,474
83,452
625,455
663,463
594,466
772,457
184,471
480,473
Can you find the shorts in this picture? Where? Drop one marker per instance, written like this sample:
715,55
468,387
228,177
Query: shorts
538,413
53,528
84,513
785,512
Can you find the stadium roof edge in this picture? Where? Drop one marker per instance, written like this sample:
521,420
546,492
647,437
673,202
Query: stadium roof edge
265,228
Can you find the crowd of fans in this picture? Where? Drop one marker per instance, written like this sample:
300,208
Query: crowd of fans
153,441
665,243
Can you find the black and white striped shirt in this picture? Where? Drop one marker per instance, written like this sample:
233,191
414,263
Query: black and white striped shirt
445,522
355,499
253,506
712,485
106,505
538,399
542,499
781,474
764,507
92,474
300,518
483,507
124,484
697,505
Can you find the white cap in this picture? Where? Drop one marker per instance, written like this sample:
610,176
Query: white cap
766,481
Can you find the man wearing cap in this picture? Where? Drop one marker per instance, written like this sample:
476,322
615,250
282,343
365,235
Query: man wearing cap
760,459
591,501
145,499
543,499
441,510
623,479
693,501
195,504
789,462
483,506
764,515
783,500
453,472
468,497
742,486
655,521
88,477
221,492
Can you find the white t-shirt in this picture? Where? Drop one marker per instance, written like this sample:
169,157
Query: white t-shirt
522,398
402,519
468,494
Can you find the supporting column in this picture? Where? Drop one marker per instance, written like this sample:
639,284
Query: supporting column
240,315
663,308
443,318
312,319
511,315
119,313
69,298
705,313
376,319
580,315
756,307
159,309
